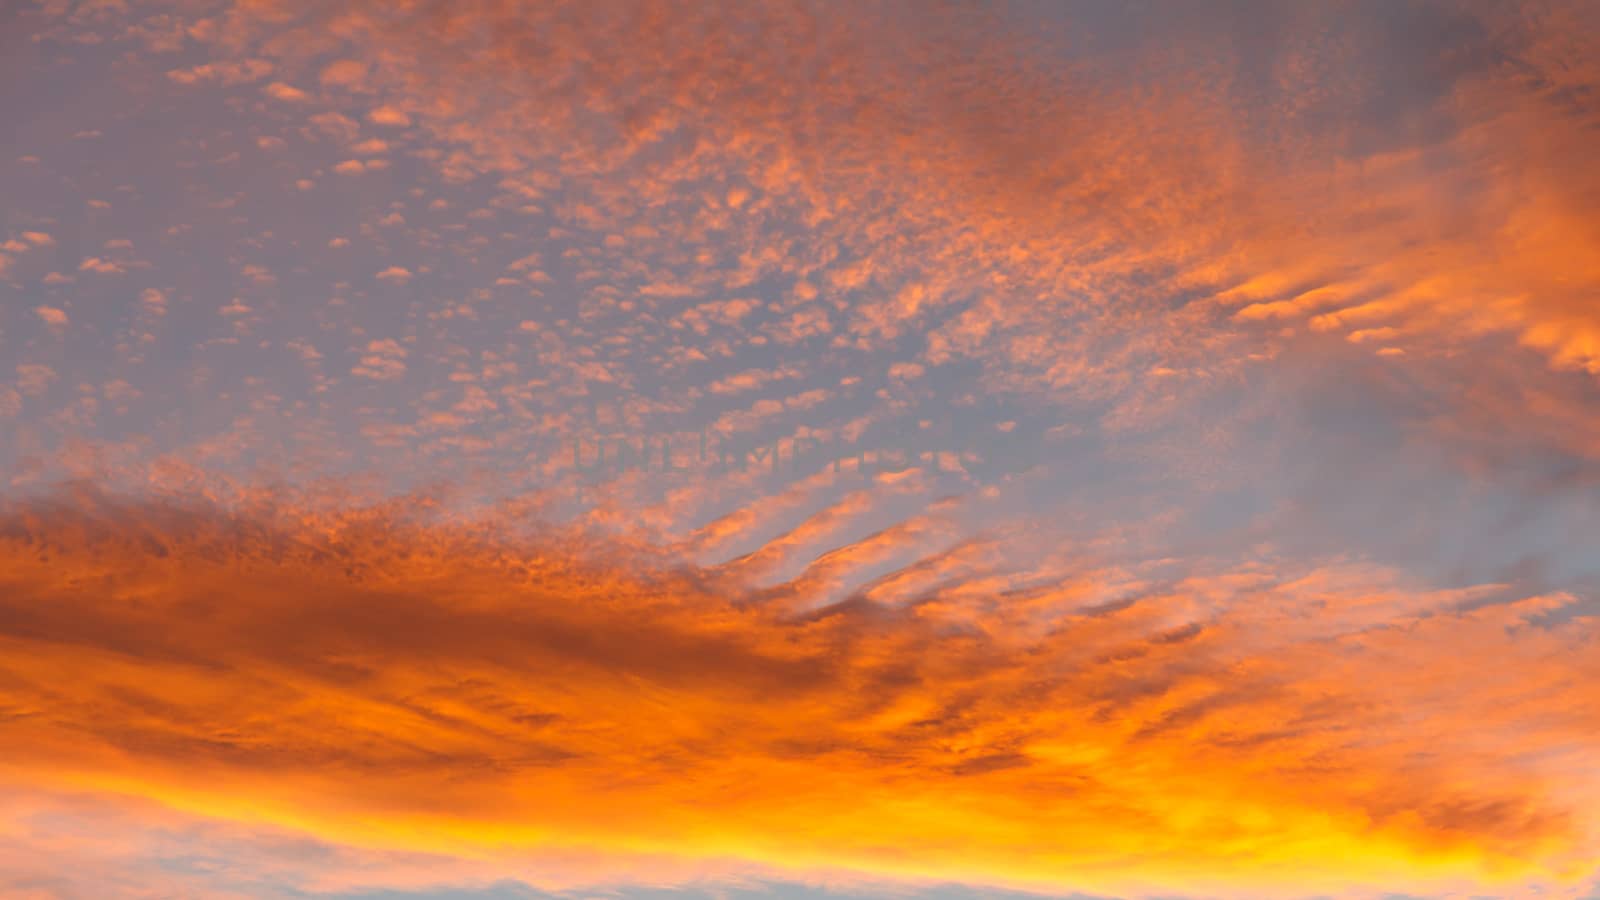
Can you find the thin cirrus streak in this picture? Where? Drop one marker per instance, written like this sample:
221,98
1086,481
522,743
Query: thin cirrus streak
497,447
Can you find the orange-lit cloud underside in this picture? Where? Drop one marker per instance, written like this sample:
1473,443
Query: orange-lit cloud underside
382,684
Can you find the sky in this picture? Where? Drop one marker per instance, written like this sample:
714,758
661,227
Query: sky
809,450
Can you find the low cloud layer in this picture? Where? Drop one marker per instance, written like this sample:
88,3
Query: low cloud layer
367,679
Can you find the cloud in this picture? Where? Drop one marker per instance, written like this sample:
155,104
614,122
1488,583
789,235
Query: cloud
51,316
1176,179
388,115
385,361
277,90
101,266
1330,729
1158,233
337,125
344,73
228,72
33,378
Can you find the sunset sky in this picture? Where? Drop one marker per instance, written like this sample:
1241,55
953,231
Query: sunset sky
936,450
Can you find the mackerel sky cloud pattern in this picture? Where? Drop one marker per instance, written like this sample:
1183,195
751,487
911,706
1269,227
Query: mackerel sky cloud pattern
795,449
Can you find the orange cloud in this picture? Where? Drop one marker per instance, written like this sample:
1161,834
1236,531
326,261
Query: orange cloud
51,315
286,92
388,115
389,685
1138,214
